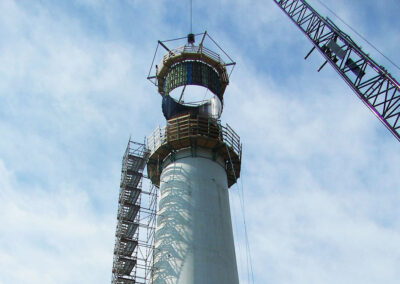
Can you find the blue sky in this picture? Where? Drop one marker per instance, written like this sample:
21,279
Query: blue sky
320,172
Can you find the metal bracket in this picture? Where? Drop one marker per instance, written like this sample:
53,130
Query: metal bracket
308,54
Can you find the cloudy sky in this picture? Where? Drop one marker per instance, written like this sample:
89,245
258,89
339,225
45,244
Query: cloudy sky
320,173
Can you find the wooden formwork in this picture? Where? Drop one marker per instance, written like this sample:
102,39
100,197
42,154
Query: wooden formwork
190,131
192,54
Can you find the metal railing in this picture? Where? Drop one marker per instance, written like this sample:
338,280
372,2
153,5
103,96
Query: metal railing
188,127
193,49
156,139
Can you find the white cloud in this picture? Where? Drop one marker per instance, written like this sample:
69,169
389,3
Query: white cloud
319,171
51,237
312,236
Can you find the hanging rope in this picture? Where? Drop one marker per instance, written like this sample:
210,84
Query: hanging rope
250,273
239,249
152,62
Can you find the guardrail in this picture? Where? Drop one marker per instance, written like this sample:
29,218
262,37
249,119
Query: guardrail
156,139
187,126
194,49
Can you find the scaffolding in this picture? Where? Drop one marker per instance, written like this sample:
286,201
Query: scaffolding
133,251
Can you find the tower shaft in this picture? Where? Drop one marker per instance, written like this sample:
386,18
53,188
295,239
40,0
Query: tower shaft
193,161
194,240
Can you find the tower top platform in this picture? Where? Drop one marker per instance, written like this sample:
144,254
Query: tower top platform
192,65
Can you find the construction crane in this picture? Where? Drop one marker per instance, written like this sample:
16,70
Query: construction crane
369,80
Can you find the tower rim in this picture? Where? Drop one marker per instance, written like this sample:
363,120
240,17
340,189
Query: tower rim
202,61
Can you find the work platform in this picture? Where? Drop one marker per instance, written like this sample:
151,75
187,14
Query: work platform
195,65
190,131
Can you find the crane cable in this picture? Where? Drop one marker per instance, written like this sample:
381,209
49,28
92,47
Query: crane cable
361,36
191,15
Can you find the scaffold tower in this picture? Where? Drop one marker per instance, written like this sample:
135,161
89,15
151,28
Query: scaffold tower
135,220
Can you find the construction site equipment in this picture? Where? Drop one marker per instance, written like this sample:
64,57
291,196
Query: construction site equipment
369,80
134,235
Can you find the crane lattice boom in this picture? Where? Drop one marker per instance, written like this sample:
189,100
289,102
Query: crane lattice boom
369,80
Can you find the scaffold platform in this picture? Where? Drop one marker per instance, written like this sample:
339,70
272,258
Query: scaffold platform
191,131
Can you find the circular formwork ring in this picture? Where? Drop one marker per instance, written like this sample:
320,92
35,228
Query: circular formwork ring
193,73
192,66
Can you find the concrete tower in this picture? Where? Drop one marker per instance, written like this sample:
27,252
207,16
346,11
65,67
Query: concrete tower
194,159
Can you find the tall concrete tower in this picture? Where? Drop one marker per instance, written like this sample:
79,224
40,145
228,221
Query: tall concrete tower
194,159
